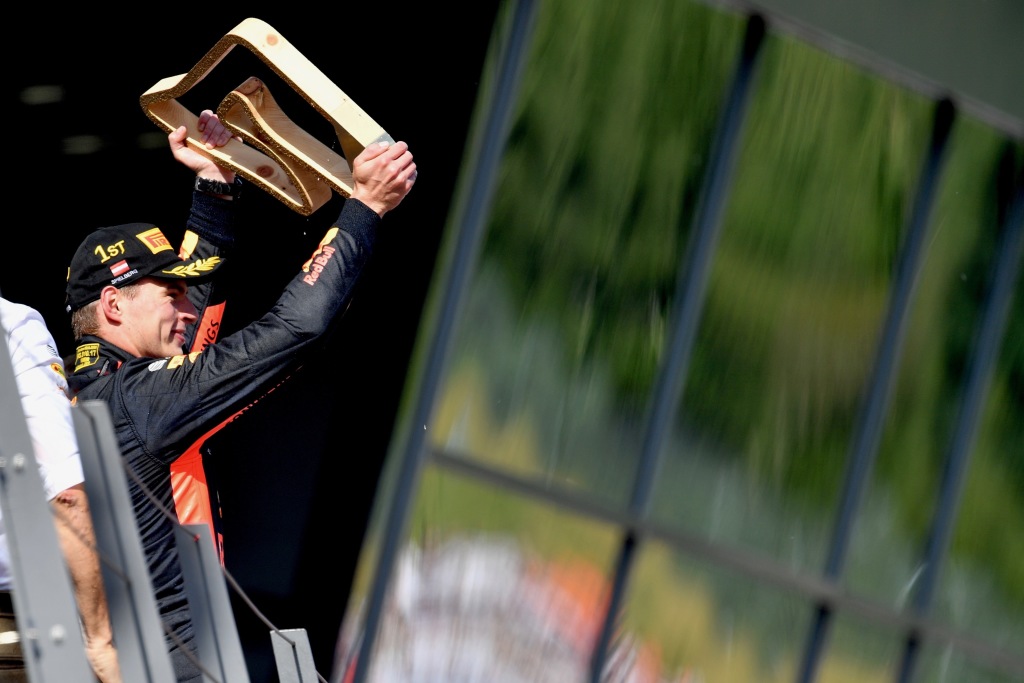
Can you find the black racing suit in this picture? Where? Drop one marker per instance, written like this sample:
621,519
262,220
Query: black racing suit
161,406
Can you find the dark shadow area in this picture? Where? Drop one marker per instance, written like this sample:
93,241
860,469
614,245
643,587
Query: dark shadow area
298,472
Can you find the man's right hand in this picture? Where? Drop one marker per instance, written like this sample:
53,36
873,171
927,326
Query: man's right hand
214,134
383,174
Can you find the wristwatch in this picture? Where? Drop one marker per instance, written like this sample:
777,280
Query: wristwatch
217,187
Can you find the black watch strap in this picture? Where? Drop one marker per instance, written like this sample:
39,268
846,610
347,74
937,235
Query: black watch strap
217,187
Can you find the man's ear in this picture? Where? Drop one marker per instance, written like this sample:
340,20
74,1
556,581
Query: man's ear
110,304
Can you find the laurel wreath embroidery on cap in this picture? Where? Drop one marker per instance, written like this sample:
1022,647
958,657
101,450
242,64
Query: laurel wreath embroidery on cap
195,268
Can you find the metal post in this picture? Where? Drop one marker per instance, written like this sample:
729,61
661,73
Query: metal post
472,210
689,302
979,376
870,423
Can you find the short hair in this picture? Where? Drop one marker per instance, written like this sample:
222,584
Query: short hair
85,320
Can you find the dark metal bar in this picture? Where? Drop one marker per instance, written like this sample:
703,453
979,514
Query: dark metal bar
979,376
753,565
472,209
689,302
883,377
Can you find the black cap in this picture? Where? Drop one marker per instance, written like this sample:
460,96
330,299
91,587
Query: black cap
124,254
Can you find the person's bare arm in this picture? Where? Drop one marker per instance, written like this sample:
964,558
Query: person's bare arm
78,543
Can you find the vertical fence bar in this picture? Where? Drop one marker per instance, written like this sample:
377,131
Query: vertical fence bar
979,376
471,213
869,425
131,600
213,622
689,302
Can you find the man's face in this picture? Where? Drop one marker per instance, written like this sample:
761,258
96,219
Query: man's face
154,320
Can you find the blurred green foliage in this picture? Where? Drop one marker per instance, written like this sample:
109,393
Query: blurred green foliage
600,182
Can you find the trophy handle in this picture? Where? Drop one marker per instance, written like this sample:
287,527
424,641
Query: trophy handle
280,157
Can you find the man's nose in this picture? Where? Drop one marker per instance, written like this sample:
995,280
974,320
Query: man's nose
188,309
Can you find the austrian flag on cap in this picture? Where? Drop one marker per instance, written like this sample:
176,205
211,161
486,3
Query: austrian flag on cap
124,254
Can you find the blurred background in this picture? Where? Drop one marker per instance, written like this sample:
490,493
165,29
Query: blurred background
696,354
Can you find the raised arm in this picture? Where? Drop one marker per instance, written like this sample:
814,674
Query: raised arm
238,368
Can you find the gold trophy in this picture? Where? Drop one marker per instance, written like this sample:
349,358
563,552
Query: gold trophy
270,150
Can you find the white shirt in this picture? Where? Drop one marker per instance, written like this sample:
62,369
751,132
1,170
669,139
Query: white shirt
39,373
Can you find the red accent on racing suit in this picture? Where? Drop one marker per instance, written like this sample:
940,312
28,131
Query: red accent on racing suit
160,407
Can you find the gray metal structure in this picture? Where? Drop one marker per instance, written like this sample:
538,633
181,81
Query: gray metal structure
970,52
